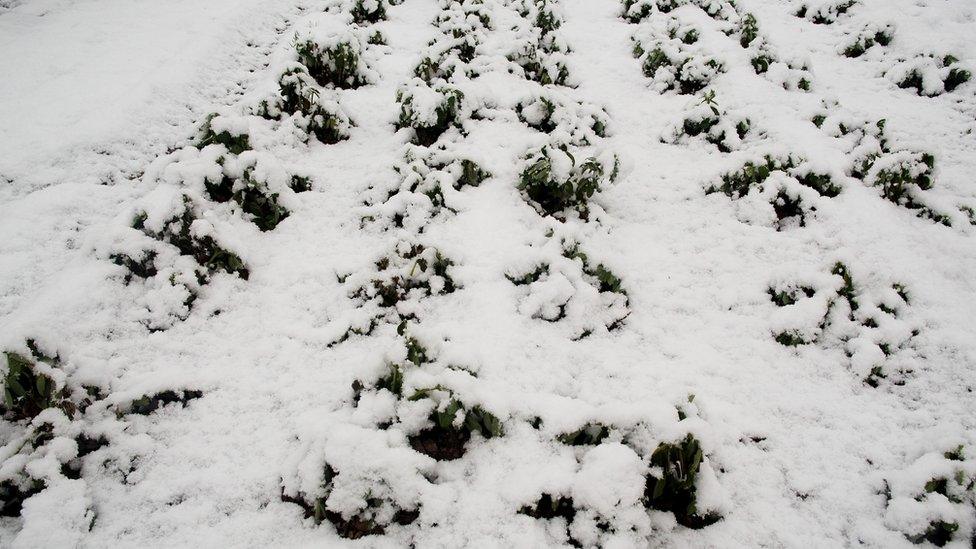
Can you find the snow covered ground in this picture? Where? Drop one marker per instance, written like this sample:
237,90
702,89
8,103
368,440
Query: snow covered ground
488,273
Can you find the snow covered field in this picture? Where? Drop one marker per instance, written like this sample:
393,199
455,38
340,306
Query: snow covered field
487,273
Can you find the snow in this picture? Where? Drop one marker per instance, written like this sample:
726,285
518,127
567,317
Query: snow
654,310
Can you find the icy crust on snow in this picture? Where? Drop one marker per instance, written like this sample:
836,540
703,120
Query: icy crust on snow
469,274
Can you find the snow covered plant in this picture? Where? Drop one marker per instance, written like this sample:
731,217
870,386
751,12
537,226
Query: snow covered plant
547,16
254,180
375,511
899,175
929,75
673,65
668,480
902,176
748,30
450,423
569,289
791,75
567,121
706,120
541,63
871,35
33,383
790,186
333,56
252,193
412,272
870,320
229,131
635,11
300,97
824,12
429,179
932,500
459,17
430,111
672,483
148,404
174,218
556,182
368,11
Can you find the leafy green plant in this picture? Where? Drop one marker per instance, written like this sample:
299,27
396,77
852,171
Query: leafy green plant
791,338
672,486
546,20
13,495
608,282
405,273
337,65
453,425
719,128
826,13
236,144
748,30
587,435
252,195
364,523
376,39
148,404
205,250
554,193
549,507
529,277
142,266
431,69
27,392
737,184
868,40
635,11
939,533
368,11
447,113
675,69
472,174
760,63
953,74
540,66
790,295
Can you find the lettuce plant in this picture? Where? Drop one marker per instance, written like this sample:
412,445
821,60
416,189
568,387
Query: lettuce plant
225,135
452,425
587,435
673,66
867,39
538,65
549,507
377,514
671,486
413,272
554,182
368,11
430,112
178,231
824,12
336,64
939,489
148,404
705,120
748,30
27,390
930,75
583,123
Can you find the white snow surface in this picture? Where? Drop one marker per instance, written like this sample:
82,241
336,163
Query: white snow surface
826,443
